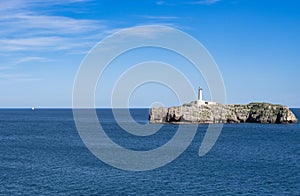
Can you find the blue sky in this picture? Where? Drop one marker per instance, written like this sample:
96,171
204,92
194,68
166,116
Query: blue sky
255,43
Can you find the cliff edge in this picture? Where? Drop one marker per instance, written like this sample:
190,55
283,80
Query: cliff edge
219,113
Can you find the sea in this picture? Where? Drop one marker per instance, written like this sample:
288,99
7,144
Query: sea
41,153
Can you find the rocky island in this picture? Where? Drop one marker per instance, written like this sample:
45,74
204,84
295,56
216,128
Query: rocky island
203,112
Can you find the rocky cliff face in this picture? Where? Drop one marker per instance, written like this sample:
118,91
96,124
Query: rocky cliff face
218,113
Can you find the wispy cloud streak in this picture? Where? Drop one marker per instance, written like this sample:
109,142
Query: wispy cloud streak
199,2
32,59
159,17
204,2
32,30
25,28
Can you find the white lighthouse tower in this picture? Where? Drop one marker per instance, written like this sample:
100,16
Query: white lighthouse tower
199,101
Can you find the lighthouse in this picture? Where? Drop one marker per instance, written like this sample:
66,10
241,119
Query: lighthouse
199,101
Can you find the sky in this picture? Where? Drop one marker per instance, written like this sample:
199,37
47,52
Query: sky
255,44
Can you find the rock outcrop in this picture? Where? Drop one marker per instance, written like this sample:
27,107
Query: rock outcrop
219,113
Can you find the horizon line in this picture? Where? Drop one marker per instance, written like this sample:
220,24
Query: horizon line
58,108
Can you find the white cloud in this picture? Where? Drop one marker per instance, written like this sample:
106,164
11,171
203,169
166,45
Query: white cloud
25,28
16,77
51,24
160,2
199,2
204,2
35,44
145,31
32,28
24,4
32,59
159,17
32,42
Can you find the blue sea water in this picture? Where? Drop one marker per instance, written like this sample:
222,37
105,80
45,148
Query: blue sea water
42,154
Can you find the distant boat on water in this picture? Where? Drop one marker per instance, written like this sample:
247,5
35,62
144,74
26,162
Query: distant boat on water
32,108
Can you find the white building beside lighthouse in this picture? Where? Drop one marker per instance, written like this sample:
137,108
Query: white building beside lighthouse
200,100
